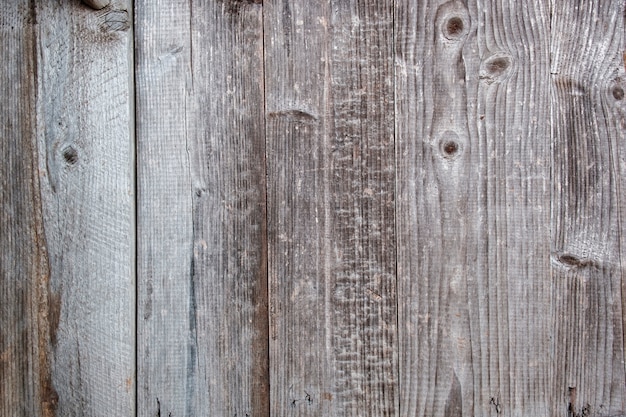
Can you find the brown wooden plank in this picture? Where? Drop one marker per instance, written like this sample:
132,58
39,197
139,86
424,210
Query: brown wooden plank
201,175
588,241
473,207
67,225
25,329
330,150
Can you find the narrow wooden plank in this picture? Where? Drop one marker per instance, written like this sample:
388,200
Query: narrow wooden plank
68,255
329,90
201,225
589,125
25,320
473,207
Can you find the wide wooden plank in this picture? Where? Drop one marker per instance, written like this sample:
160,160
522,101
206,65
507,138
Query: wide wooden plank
86,160
331,238
68,188
202,333
68,241
588,234
473,205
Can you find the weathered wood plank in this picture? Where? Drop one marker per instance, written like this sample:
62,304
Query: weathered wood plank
588,235
329,86
67,211
86,159
25,329
201,226
473,207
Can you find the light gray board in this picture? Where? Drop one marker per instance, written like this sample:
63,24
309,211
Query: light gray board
202,345
76,89
86,160
588,207
331,238
473,205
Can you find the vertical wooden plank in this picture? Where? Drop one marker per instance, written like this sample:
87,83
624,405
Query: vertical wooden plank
589,121
330,150
87,155
473,207
25,329
511,317
67,222
68,259
201,225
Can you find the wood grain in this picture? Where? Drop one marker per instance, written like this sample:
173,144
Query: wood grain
25,330
86,148
201,173
588,236
329,90
68,208
472,208
343,208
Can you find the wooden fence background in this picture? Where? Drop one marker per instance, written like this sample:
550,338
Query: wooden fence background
313,208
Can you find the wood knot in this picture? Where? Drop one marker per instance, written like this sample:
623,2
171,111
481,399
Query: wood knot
450,145
97,4
453,20
454,27
570,260
70,155
450,148
495,68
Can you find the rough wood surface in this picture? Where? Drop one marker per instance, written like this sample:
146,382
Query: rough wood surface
344,208
202,269
67,204
86,160
25,330
329,86
588,236
472,134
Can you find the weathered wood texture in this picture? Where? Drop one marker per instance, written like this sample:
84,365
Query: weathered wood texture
588,188
330,150
202,345
478,299
25,387
67,209
344,208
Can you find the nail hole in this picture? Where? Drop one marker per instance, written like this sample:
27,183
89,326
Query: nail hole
455,26
70,155
618,93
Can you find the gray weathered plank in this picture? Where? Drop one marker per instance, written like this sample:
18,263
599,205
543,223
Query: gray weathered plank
25,319
86,159
329,91
588,241
67,211
473,206
202,343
